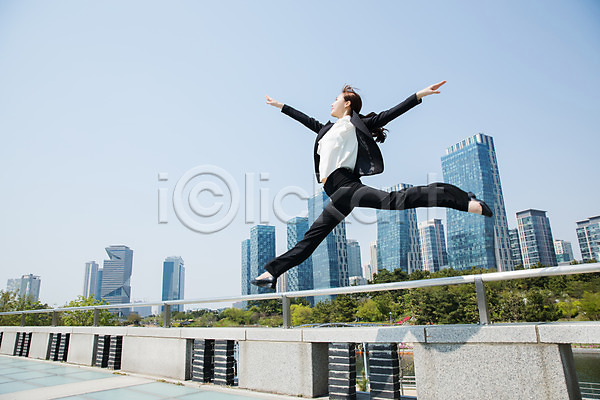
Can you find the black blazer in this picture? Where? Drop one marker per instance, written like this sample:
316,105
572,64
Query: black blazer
369,160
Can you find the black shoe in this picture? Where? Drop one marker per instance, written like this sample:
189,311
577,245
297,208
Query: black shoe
267,282
485,209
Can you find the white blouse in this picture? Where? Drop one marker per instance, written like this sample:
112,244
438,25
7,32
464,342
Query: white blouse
338,147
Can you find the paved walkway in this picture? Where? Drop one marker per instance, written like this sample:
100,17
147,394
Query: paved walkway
30,379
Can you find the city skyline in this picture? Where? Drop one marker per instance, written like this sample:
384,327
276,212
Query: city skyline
90,127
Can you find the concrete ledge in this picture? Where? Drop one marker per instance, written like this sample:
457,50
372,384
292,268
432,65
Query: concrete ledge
274,334
155,356
155,332
81,348
214,333
572,332
406,334
487,371
38,348
274,367
8,342
107,330
500,333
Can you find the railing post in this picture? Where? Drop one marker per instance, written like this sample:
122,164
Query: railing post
287,313
167,316
96,317
54,318
482,304
23,319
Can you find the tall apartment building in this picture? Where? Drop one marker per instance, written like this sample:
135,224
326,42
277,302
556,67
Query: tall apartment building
588,236
535,238
563,251
515,247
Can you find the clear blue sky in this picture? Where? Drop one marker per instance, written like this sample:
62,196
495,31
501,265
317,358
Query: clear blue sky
98,97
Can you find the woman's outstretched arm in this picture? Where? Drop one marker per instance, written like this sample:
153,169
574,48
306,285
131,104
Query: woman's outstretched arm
307,121
384,117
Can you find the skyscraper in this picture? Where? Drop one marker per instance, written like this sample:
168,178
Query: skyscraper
354,260
173,281
515,247
535,238
398,242
262,250
433,245
99,284
473,240
246,273
563,250
588,236
116,275
330,259
90,281
26,286
301,276
14,285
373,260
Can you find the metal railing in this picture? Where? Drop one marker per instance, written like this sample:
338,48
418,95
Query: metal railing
477,279
589,390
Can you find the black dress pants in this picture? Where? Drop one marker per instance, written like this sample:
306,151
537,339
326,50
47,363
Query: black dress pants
346,191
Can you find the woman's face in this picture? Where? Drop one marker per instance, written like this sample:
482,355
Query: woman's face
339,106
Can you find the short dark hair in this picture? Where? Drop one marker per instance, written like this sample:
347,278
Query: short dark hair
349,92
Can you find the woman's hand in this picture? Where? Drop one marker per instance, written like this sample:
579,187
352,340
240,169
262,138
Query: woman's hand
274,103
433,89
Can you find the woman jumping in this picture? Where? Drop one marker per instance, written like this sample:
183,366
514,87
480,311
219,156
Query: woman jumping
346,150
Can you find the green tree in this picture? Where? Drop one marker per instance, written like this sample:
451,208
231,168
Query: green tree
301,314
134,318
344,309
11,301
369,311
86,318
590,306
569,309
540,307
323,312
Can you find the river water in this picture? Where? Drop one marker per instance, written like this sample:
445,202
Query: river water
587,365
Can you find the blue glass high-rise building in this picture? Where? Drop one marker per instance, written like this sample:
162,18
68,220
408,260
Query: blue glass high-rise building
433,245
246,273
398,242
301,276
330,259
262,250
474,240
354,259
535,238
116,275
173,281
